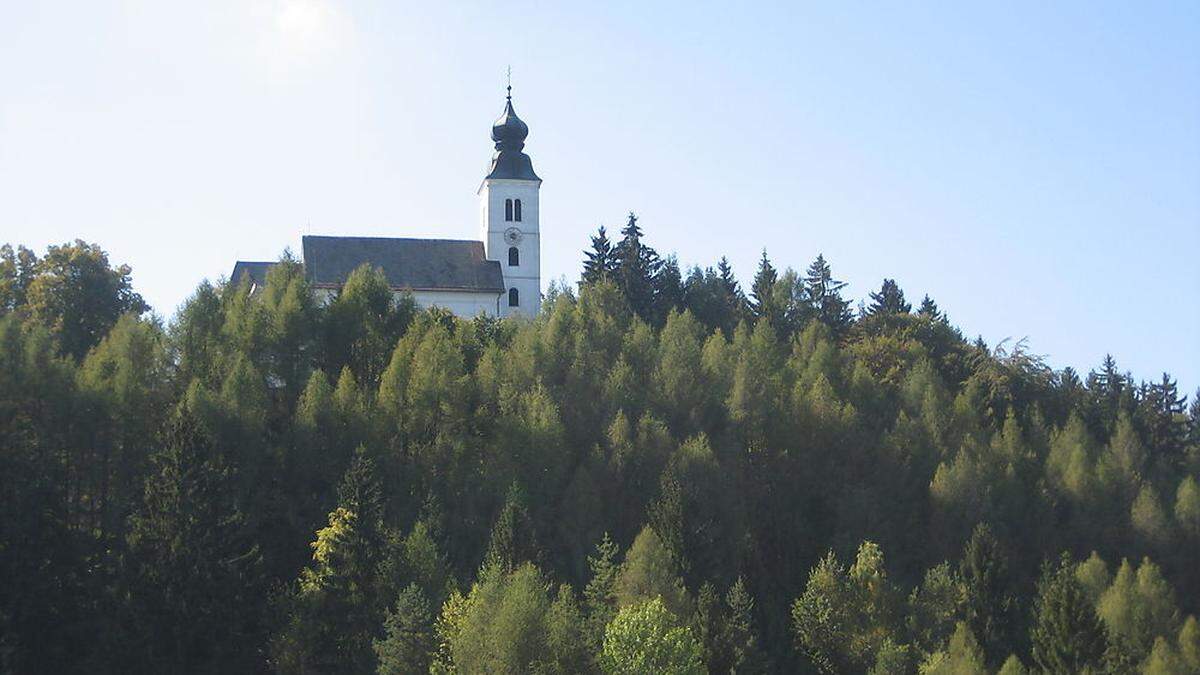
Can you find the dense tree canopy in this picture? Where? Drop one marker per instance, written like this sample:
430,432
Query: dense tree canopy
660,472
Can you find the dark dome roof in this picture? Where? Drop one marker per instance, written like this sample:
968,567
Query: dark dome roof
509,133
509,129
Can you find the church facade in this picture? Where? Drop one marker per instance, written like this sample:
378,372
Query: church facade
499,274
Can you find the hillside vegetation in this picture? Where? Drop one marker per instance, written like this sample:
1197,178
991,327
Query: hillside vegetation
660,473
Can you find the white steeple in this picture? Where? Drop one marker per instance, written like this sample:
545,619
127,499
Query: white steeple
509,216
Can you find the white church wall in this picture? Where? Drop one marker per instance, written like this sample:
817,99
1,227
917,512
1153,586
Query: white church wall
526,277
466,304
462,303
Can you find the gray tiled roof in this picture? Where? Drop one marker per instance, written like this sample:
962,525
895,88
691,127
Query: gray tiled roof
419,264
256,270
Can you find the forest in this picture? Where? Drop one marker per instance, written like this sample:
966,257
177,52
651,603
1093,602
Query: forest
664,472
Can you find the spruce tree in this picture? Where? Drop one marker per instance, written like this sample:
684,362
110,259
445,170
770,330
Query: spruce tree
823,294
599,262
889,299
929,309
600,595
762,293
407,646
196,585
1067,634
636,267
745,652
989,606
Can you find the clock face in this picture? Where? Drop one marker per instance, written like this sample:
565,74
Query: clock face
512,236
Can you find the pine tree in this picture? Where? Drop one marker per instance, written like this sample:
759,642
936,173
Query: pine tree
668,290
824,296
636,267
1067,635
746,654
196,585
889,300
734,299
600,595
1162,412
600,262
513,540
408,645
989,608
762,294
929,309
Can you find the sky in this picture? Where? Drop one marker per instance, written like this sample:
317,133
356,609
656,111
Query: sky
1034,167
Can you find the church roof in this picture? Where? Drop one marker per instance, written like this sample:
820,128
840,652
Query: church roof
257,271
509,133
417,264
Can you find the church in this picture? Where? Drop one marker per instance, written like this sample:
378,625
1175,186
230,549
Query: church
498,275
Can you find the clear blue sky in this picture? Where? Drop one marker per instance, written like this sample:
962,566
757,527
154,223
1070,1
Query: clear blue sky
1035,167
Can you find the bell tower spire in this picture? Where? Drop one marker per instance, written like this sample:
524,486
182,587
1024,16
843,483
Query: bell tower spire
509,213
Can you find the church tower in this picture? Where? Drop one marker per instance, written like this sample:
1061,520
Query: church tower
508,201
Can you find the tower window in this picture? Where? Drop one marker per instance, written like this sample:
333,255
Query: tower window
508,210
514,298
514,256
517,210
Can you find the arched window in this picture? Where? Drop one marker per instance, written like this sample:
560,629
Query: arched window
508,210
514,298
517,210
514,256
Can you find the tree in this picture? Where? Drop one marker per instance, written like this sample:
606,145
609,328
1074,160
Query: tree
1012,666
335,614
824,296
1149,518
635,269
600,595
890,300
17,269
668,290
600,262
513,539
651,572
195,586
1067,635
1137,608
763,303
78,296
989,607
964,656
746,655
1187,508
929,309
648,638
408,642
503,624
844,616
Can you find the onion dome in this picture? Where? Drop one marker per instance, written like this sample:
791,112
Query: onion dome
509,134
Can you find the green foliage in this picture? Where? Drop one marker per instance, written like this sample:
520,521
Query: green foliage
1067,635
990,606
650,572
648,638
964,656
845,616
509,625
600,595
723,444
1012,666
408,642
76,294
197,573
1137,608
